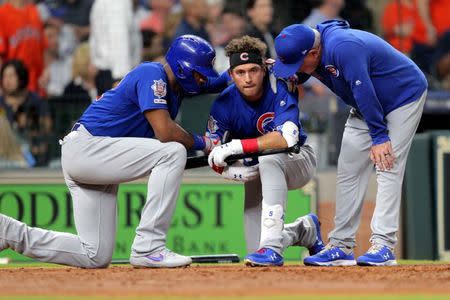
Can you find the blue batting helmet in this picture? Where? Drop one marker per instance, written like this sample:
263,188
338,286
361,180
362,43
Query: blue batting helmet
189,53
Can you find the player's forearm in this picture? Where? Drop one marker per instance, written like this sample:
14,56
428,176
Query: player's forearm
218,84
175,133
373,114
272,140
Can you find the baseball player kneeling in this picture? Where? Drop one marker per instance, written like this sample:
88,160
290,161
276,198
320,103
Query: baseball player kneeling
128,133
259,113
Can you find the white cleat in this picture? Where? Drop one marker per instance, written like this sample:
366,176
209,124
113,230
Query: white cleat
164,258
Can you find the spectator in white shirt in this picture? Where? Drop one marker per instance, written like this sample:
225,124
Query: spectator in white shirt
114,39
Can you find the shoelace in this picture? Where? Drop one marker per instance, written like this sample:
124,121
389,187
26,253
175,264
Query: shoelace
167,252
375,249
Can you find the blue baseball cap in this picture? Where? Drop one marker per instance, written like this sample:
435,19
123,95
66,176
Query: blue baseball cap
292,45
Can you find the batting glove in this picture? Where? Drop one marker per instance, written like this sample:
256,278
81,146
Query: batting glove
219,154
240,172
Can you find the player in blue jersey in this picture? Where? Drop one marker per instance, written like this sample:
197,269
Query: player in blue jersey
387,92
259,113
127,134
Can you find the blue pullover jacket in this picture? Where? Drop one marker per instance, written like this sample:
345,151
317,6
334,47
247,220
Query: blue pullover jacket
368,74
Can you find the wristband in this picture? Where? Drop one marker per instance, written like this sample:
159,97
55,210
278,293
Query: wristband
250,145
199,142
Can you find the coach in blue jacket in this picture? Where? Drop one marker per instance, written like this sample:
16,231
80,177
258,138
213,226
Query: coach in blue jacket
386,91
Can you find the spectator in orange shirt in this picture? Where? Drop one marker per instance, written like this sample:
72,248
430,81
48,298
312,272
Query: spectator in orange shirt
434,14
402,25
21,37
157,17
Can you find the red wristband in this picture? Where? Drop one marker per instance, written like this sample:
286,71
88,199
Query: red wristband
250,145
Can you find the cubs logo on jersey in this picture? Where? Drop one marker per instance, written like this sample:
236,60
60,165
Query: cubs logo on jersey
159,88
212,125
265,123
332,70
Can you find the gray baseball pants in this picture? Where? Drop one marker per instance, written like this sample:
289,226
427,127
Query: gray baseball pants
278,174
354,171
93,169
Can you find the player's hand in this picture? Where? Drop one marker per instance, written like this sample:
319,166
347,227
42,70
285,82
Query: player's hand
383,156
219,154
240,172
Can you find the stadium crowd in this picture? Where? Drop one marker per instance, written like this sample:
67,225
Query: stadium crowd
56,56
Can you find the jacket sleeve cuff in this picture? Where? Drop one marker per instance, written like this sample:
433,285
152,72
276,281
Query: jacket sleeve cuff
380,140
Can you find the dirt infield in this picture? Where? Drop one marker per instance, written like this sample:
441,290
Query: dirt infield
226,281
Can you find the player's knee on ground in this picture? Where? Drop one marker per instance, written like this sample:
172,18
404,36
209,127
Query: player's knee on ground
101,259
100,256
99,263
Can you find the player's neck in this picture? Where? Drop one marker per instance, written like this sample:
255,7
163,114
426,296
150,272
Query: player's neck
174,86
254,98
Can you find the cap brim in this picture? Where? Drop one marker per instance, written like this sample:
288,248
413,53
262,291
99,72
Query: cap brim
286,70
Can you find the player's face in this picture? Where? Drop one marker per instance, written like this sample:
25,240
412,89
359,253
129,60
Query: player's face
199,79
249,80
312,60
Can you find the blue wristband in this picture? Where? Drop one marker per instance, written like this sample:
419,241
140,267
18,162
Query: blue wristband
199,142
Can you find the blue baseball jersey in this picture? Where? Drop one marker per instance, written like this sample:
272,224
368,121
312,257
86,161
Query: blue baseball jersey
368,74
119,111
247,119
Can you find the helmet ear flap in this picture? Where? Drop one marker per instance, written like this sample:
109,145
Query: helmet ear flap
180,71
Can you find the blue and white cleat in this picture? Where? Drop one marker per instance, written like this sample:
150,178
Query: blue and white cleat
164,258
264,257
318,244
330,256
377,255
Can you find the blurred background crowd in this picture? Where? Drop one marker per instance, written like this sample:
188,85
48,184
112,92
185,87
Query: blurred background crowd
56,56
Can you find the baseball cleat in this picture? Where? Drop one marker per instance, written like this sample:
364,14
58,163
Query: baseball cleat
330,256
318,244
377,255
164,258
264,257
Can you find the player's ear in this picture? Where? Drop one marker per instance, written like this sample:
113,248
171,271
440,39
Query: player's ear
230,72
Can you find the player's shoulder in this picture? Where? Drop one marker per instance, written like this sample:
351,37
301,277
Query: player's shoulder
278,86
282,85
148,72
347,43
149,69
